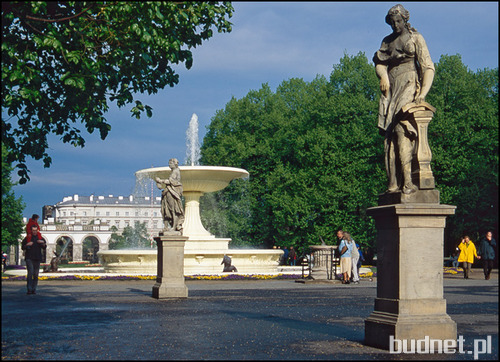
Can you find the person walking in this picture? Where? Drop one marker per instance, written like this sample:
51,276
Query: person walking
292,256
487,253
33,256
467,254
345,248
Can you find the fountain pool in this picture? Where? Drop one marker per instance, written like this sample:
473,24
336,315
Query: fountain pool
203,252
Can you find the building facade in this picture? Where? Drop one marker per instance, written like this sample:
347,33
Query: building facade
119,211
78,218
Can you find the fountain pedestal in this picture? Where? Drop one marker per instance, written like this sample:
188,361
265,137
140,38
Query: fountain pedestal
170,268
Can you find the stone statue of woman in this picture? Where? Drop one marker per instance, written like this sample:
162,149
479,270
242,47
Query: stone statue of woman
406,72
171,200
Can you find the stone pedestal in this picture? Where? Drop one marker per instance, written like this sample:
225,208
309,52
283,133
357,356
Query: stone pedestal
322,262
409,304
170,268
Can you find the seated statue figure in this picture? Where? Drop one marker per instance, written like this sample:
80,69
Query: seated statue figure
227,265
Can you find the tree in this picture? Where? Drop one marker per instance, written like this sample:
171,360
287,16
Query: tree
316,160
313,155
63,61
131,238
12,207
463,137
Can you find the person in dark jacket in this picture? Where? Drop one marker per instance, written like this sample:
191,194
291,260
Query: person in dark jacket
487,252
292,256
33,255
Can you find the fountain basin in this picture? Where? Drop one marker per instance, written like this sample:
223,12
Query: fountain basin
198,178
141,262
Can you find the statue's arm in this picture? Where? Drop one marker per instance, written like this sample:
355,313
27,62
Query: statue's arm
381,70
427,67
161,184
427,79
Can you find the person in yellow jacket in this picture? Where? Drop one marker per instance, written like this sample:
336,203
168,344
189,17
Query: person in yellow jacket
467,254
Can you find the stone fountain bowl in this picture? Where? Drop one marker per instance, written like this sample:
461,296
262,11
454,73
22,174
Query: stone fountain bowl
198,178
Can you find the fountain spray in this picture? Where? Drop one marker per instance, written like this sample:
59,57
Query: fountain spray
192,143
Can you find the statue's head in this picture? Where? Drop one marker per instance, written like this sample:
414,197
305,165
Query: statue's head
395,10
399,10
173,162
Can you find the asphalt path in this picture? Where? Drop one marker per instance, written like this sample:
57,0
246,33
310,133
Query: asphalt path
221,320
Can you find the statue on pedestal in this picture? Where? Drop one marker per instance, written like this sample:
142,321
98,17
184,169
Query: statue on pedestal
406,72
171,200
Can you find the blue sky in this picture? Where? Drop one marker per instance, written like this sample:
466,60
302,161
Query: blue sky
270,42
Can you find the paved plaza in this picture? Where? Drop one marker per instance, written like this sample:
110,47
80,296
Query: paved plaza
226,320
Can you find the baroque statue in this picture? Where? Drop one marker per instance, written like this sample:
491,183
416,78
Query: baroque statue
172,210
406,71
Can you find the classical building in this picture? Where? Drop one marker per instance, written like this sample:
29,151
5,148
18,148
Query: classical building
119,211
77,220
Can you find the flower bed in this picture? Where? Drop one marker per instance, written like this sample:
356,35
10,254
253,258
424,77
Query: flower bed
153,277
450,270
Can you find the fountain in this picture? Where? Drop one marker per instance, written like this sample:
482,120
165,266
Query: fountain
203,252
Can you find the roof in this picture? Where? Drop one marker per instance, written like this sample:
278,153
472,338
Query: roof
130,200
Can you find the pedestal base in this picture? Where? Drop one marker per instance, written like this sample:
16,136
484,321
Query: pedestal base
412,320
409,304
170,268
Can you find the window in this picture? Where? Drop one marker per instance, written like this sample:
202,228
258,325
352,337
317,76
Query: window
118,213
126,213
98,213
107,213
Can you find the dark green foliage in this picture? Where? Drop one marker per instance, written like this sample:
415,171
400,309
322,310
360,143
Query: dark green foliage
316,160
309,149
62,61
464,140
131,238
12,207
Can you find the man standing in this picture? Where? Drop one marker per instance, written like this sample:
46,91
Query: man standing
340,236
285,255
487,252
33,256
467,254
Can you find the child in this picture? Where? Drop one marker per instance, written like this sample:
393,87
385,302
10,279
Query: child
33,222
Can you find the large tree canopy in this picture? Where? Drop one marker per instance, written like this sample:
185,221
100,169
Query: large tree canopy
309,149
315,157
464,141
63,61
